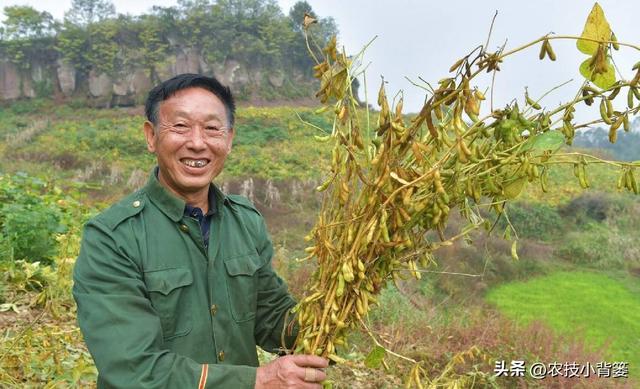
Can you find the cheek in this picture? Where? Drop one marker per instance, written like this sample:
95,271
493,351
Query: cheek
221,149
168,147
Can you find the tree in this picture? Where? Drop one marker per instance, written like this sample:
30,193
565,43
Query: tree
255,33
154,46
251,31
28,34
88,38
319,35
187,5
104,48
296,14
73,44
25,22
86,12
196,22
262,31
323,31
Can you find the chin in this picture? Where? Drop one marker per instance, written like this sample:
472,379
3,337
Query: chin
186,182
196,184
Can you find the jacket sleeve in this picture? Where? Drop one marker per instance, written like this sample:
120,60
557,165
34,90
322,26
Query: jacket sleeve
122,330
273,320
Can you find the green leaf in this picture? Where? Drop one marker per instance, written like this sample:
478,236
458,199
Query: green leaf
514,188
375,357
602,80
596,27
327,384
549,140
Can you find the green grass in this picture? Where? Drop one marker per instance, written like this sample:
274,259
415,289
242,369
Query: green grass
596,305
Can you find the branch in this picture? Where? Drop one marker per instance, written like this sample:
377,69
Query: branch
380,345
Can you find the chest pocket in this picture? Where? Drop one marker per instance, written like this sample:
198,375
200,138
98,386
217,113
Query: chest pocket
168,289
242,282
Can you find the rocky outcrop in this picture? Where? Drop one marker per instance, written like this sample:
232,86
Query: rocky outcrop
10,81
187,62
231,73
140,82
268,194
276,79
27,87
66,77
128,86
99,84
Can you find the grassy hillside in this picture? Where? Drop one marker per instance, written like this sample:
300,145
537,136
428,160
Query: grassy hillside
271,143
86,144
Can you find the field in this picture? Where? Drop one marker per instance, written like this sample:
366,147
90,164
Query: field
572,296
603,309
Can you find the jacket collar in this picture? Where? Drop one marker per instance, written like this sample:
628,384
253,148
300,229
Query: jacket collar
173,206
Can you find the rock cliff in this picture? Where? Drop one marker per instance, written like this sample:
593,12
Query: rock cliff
129,86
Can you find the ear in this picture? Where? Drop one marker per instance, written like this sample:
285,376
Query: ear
150,135
232,133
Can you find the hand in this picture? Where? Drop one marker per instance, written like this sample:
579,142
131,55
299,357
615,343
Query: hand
292,371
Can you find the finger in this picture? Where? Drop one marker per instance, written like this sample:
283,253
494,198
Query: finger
310,374
310,361
304,374
309,385
320,375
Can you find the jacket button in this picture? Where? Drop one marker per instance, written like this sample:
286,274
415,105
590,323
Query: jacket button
214,309
221,356
184,228
136,204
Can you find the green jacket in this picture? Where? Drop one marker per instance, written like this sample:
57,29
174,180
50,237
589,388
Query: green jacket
157,310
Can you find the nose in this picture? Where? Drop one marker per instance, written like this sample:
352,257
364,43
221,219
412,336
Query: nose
197,138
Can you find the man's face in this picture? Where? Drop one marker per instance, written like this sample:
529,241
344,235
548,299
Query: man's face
191,141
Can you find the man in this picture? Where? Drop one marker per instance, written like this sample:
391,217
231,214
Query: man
174,283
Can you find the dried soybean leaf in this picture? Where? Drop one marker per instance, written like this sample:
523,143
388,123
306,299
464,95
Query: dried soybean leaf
308,20
596,27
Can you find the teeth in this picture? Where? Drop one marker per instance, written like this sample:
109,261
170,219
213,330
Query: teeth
195,162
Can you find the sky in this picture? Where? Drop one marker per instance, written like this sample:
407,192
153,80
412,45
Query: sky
422,39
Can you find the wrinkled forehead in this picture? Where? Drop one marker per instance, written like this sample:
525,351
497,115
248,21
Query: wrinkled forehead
193,104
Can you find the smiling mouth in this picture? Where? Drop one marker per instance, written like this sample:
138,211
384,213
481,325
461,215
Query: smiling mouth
195,162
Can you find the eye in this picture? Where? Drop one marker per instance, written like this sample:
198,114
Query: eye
180,128
212,128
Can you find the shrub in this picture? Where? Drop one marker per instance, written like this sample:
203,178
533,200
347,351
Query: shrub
592,206
28,221
31,229
599,246
43,88
29,106
534,220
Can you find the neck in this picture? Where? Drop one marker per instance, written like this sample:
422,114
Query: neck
199,199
